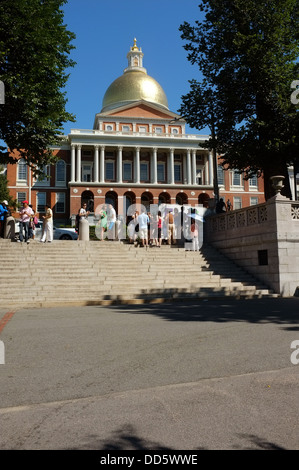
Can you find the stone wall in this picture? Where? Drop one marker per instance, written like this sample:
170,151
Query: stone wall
263,239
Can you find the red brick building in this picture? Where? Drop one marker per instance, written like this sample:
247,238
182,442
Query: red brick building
137,149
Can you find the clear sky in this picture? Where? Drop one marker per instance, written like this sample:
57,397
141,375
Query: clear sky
105,31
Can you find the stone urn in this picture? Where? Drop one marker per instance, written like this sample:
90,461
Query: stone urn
277,183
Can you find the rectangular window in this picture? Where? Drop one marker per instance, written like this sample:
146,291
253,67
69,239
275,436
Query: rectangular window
109,170
126,128
40,202
254,201
161,172
220,174
144,171
237,204
198,176
253,182
60,203
87,173
127,171
158,130
21,197
236,178
142,129
177,173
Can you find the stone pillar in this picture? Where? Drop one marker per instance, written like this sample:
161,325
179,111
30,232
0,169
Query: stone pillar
73,163
83,229
154,166
120,165
96,164
137,165
78,164
189,179
171,167
102,164
193,167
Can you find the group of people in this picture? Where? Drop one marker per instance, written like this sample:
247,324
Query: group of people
150,229
28,222
222,207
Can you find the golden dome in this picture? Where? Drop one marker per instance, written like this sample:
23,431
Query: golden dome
134,85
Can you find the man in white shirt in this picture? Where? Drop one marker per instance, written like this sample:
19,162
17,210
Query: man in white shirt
143,221
25,214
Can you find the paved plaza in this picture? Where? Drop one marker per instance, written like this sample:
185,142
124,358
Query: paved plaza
210,374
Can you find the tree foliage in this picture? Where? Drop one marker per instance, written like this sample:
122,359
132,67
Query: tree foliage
247,52
34,58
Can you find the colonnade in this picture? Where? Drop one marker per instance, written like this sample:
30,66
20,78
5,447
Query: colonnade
188,163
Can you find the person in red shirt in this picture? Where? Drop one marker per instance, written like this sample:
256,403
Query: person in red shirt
25,214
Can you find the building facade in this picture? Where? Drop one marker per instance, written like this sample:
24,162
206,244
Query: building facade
138,152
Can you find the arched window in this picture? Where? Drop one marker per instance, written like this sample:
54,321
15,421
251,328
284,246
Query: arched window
60,172
22,170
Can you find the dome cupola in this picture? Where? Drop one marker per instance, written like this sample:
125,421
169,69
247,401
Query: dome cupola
134,85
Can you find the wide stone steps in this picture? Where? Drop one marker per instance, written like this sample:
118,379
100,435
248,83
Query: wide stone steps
82,273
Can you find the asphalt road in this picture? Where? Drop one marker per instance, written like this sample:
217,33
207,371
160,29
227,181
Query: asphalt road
198,375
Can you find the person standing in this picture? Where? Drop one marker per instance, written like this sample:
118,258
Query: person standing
47,226
170,227
143,222
25,214
103,221
111,219
3,215
32,223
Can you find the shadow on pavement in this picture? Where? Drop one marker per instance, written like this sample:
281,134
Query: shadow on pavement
277,310
128,439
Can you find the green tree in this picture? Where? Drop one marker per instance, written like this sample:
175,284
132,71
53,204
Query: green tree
34,58
4,191
247,52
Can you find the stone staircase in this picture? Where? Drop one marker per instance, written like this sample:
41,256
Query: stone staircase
110,272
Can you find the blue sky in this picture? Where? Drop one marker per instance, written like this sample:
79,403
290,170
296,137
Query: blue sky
104,34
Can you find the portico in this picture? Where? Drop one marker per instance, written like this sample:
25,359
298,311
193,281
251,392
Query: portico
138,164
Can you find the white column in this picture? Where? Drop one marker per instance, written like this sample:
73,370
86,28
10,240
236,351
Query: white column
154,166
78,164
211,169
193,166
96,164
207,174
102,164
189,180
171,167
73,163
137,165
120,165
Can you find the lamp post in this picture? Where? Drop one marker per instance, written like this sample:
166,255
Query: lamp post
215,163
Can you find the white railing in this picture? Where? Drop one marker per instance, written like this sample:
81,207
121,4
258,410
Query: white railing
140,134
238,218
248,216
